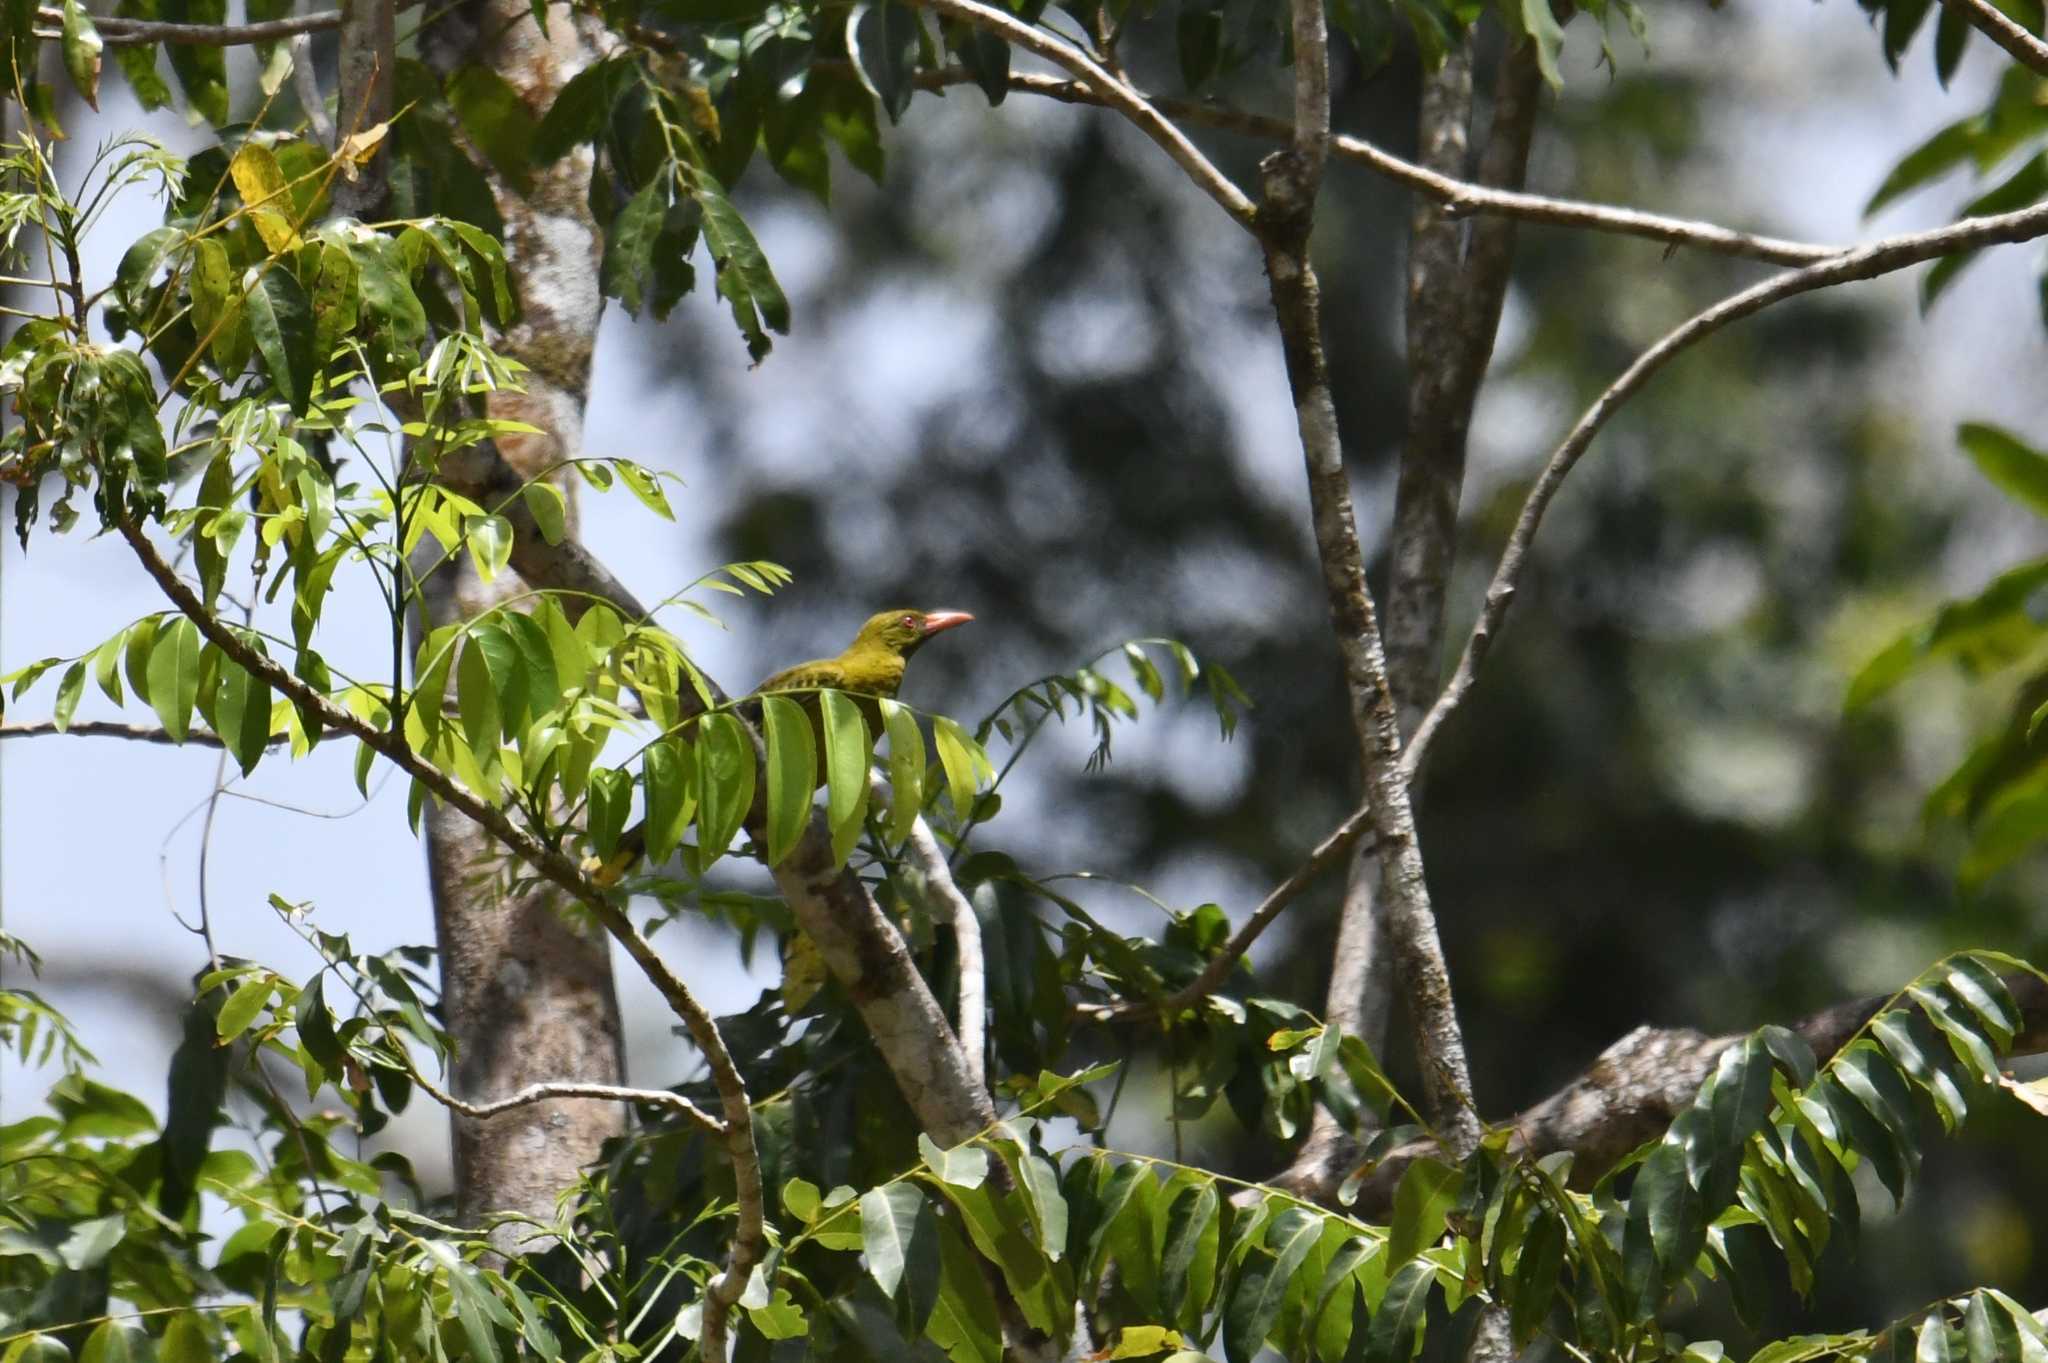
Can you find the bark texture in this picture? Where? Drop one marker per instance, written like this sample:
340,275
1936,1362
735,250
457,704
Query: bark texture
529,995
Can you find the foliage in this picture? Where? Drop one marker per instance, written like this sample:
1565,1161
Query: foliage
318,371
1999,638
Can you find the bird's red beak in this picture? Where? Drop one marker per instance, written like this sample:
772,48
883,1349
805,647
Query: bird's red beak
936,621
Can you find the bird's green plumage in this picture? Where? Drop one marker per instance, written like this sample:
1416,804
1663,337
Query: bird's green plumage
870,668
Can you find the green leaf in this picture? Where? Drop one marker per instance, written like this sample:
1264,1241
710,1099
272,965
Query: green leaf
963,1166
985,56
1396,1329
1187,1265
906,768
957,753
1264,1281
668,771
90,1242
243,1006
476,696
964,1321
1536,1278
116,1341
792,772
200,67
1978,986
744,278
490,544
497,120
645,485
1544,31
1911,1041
1939,154
82,48
891,1220
1428,1190
174,676
1664,1230
580,109
882,37
68,691
627,269
242,711
1989,1333
725,785
2018,471
280,321
1041,1187
846,770
549,509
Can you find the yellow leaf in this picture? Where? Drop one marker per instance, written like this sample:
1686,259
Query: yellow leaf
268,197
803,972
357,148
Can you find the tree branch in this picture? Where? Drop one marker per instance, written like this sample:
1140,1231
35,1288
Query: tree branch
1461,198
1633,1092
1992,22
1864,262
100,728
1289,183
749,1238
541,1093
926,863
118,32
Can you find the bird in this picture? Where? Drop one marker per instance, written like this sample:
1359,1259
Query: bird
870,669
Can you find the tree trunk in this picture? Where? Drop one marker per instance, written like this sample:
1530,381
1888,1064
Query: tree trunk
529,995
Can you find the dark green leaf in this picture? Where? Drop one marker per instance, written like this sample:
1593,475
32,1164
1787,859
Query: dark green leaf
200,67
1396,1328
1428,1190
497,120
744,279
2017,470
882,39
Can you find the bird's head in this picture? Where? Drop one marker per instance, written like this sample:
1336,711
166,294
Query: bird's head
902,631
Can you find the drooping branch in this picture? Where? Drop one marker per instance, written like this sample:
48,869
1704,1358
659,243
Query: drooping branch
1864,262
749,1239
1634,1090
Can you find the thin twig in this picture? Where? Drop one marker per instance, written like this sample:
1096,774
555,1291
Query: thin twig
119,32
101,728
1993,23
547,1092
1114,93
1326,854
1865,262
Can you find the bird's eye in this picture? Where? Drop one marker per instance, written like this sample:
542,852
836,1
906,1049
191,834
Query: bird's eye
910,622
